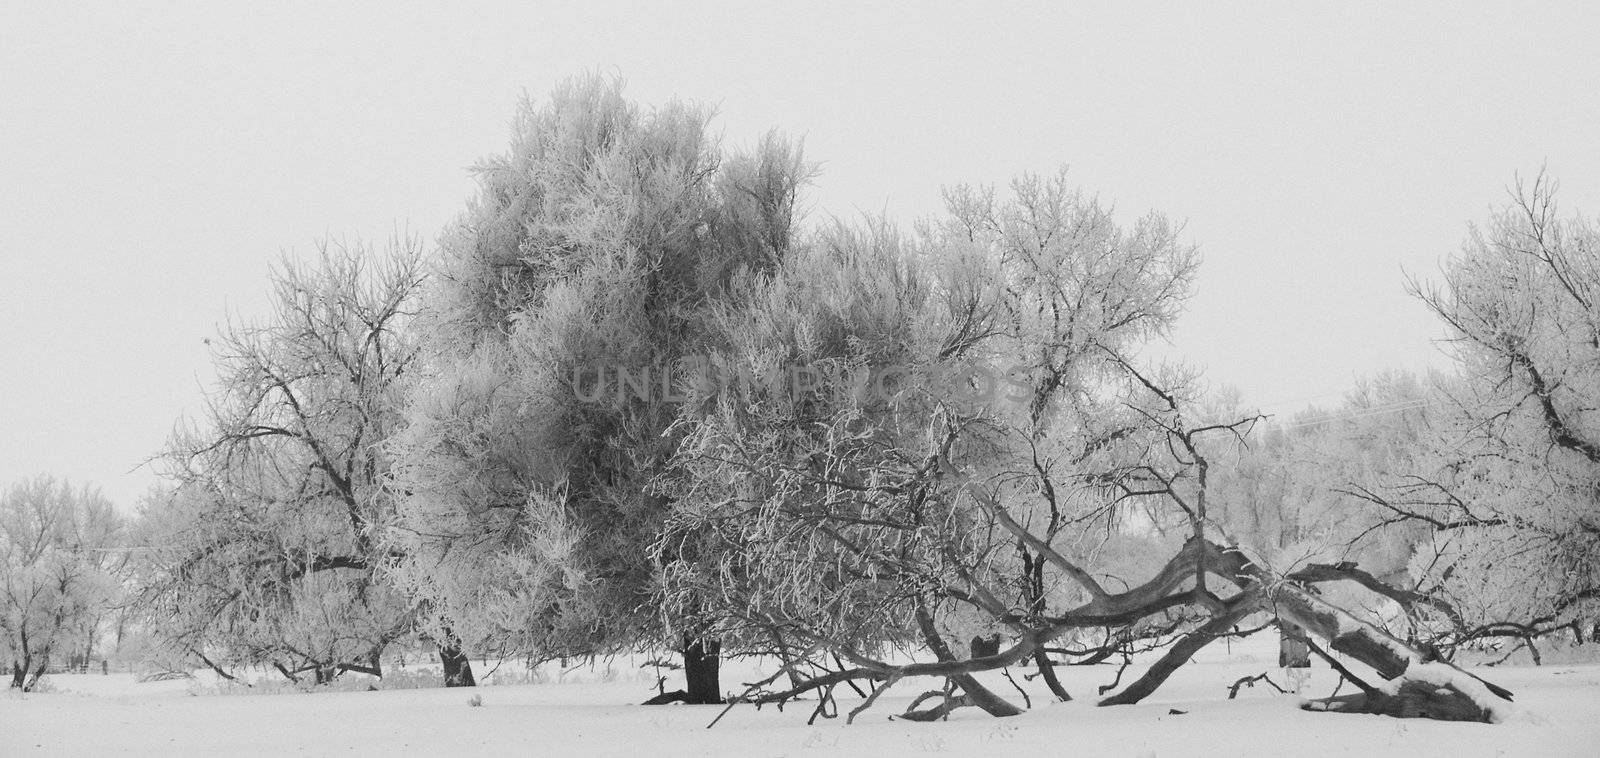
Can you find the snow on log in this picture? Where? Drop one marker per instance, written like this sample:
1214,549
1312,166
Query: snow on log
1345,633
1417,687
1443,675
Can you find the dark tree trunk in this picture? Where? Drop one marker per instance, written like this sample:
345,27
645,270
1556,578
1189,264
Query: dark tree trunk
1292,650
702,668
457,668
38,672
325,674
19,671
1034,567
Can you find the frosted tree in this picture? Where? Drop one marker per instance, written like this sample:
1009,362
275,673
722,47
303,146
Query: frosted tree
1284,493
574,285
60,550
1292,492
851,511
956,429
267,547
1505,496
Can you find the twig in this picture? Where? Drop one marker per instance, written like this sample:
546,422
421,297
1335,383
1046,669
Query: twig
1250,681
1027,702
822,706
895,677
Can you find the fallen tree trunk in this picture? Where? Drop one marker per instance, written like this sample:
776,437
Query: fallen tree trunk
1418,684
1414,697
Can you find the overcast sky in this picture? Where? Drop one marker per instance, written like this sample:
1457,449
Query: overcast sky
155,160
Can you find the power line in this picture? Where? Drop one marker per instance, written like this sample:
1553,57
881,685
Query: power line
1398,407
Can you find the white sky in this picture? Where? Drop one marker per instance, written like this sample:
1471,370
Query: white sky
155,160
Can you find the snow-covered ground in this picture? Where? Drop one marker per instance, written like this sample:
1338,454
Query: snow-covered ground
592,712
